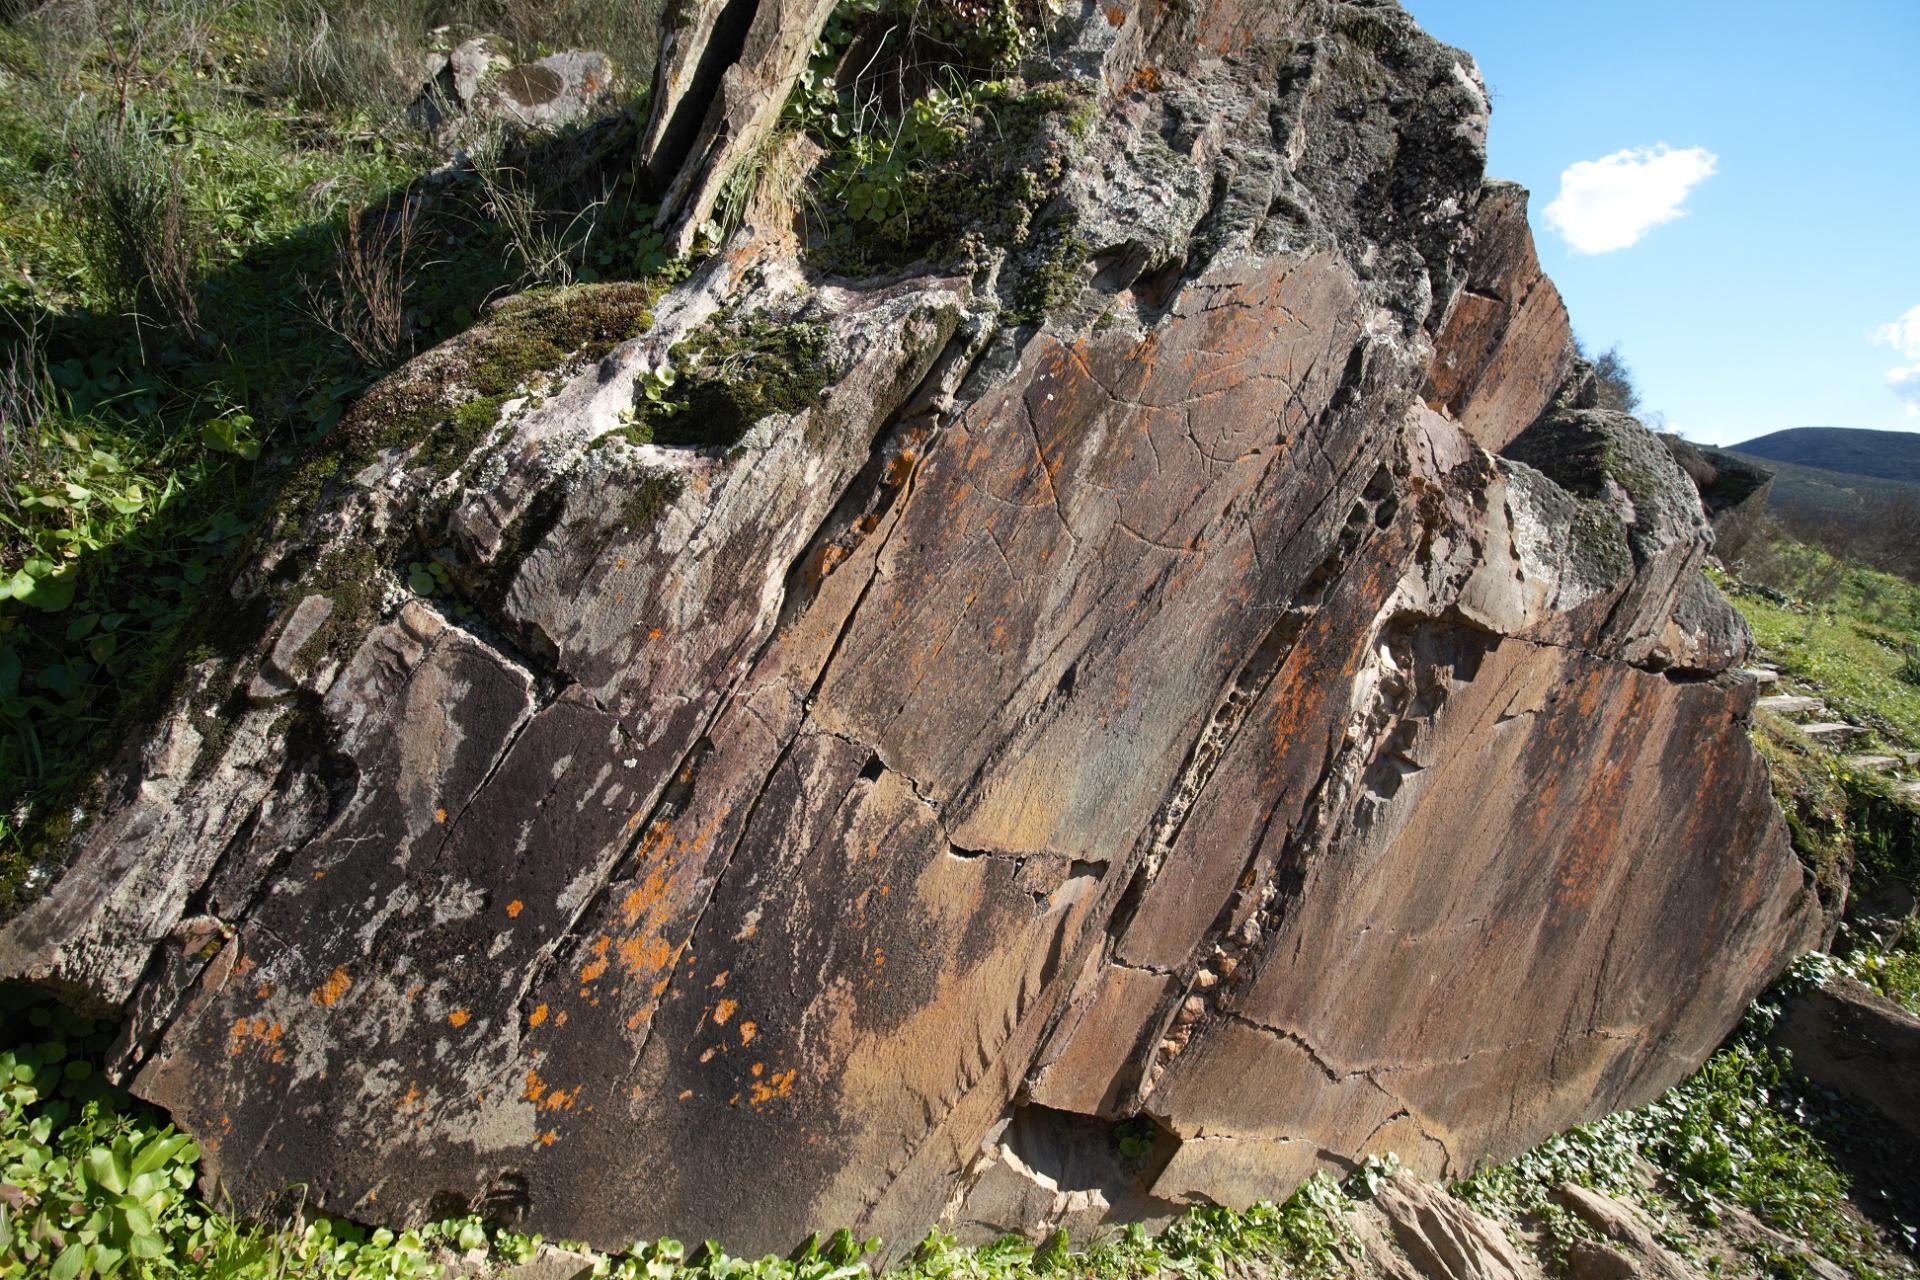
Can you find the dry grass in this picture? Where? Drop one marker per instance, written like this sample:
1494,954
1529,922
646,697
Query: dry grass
366,305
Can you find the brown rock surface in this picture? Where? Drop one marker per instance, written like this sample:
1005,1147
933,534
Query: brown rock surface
1162,717
1733,491
1503,353
1630,1249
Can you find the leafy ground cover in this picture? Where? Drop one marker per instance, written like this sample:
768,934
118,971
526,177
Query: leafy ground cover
1742,1133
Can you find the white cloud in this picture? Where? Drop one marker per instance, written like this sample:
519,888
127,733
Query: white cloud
1903,335
1609,203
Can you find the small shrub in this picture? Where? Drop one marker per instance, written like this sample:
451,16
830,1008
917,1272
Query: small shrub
547,245
139,238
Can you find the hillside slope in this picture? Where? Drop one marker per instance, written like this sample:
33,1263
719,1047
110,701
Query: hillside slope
1818,492
1884,455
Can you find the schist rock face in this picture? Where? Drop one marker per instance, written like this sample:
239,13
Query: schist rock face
1061,768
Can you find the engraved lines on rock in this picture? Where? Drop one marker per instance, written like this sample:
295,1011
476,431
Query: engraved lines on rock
627,861
1116,885
1260,885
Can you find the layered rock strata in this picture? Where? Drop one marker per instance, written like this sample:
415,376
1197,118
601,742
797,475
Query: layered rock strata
1062,773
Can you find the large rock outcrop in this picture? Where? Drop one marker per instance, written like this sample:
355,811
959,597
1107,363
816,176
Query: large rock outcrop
1041,774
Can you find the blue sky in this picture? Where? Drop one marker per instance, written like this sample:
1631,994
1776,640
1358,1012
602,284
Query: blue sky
1788,291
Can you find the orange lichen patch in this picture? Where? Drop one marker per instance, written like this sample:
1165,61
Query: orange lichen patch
900,468
411,1096
724,1010
319,875
334,987
439,815
720,979
777,1085
645,955
1116,15
256,1031
821,567
560,1099
685,1094
879,958
598,965
459,1017
560,1019
537,1017
536,1087
758,1069
708,1055
265,991
748,1030
547,1138
655,634
651,891
514,909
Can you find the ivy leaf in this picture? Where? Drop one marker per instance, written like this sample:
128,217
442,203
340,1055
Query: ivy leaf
104,1171
69,1264
49,591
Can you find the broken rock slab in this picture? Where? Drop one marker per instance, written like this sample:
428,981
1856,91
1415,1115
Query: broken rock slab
1850,1040
1442,1238
1630,1251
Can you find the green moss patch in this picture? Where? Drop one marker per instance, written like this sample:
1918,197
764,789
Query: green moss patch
731,374
450,399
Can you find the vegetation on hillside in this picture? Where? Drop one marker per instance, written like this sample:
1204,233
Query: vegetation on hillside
1851,516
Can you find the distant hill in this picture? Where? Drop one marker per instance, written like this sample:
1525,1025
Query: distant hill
1883,455
1819,493
1857,516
